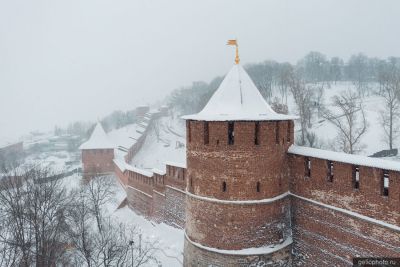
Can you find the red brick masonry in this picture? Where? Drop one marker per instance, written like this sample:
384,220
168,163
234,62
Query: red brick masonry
254,193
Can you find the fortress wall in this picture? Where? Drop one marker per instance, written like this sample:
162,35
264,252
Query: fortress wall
175,213
159,198
324,236
121,176
367,200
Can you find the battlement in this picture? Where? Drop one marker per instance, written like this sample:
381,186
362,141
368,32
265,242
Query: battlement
370,187
176,176
243,134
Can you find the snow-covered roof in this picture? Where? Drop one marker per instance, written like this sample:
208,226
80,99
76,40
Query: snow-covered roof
137,170
126,136
237,98
98,140
345,158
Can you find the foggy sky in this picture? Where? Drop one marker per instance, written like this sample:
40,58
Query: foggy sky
78,60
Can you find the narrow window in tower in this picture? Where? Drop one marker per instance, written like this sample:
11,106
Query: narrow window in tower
257,133
307,164
356,177
189,132
385,183
223,186
206,134
330,171
258,186
277,132
231,133
288,131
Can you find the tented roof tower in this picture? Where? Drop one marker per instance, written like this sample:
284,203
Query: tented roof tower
98,140
237,99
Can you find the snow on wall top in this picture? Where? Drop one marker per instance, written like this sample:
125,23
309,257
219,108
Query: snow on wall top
137,170
127,136
237,98
98,140
345,158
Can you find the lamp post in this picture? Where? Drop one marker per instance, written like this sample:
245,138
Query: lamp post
131,243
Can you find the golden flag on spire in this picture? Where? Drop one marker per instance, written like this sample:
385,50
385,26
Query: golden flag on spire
234,42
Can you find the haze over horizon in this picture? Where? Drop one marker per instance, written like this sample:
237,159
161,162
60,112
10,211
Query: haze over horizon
62,61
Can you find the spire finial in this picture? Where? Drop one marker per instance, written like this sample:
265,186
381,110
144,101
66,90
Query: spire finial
234,43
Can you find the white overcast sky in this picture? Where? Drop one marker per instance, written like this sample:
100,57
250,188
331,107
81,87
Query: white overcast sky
80,59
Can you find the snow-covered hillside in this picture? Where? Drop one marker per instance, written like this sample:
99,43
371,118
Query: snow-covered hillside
165,142
326,132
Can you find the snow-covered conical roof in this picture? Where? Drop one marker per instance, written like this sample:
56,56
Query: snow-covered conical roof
98,140
237,98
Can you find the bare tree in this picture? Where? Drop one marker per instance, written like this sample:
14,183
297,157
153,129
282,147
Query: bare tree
350,120
390,92
96,238
100,190
33,217
302,95
283,80
357,72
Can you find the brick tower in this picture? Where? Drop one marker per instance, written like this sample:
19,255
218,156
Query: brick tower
238,212
97,153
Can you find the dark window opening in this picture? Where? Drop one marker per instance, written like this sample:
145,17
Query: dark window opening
277,132
231,133
330,171
307,164
206,134
217,141
385,182
189,132
356,177
223,186
288,131
257,133
258,186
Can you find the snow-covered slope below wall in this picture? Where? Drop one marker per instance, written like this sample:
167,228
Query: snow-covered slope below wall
166,142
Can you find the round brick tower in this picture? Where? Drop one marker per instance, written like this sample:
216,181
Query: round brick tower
237,209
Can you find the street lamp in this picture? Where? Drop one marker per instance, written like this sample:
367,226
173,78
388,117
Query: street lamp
131,243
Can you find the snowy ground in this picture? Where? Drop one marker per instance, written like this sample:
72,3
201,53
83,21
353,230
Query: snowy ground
169,146
169,240
58,161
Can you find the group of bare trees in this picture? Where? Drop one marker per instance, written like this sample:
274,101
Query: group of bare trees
346,111
44,224
349,120
389,90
